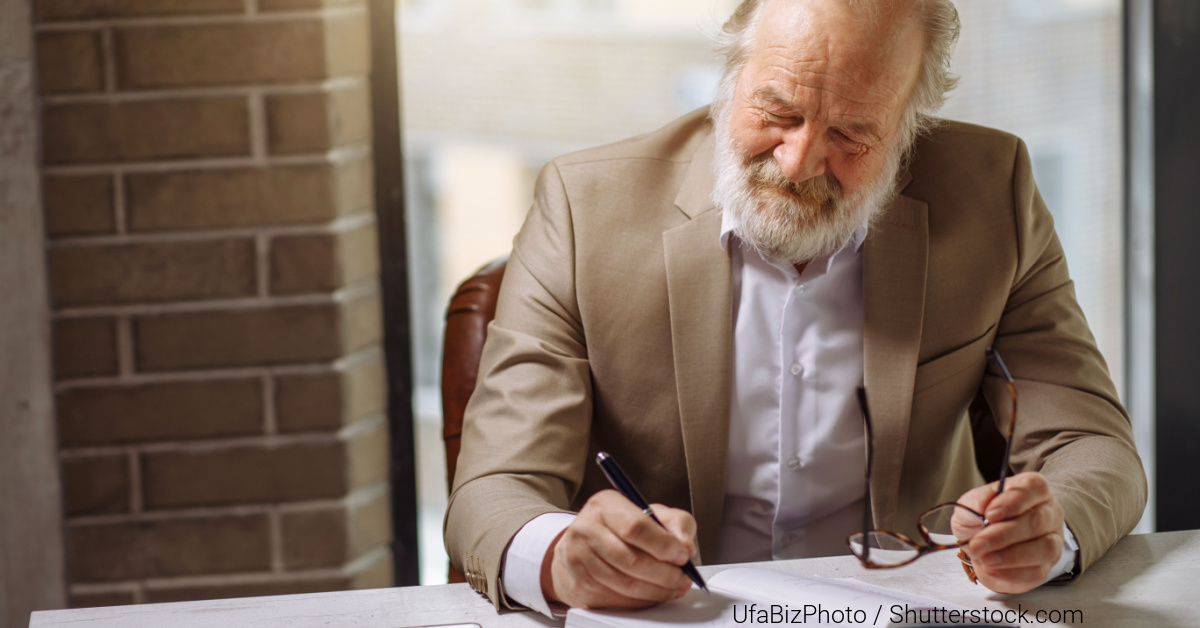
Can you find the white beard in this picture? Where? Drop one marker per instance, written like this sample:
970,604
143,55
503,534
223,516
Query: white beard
793,222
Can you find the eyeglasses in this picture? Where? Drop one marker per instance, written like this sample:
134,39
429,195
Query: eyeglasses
945,526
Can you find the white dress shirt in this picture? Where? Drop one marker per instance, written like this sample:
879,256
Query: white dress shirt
795,483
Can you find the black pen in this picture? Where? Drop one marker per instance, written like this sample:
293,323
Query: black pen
617,478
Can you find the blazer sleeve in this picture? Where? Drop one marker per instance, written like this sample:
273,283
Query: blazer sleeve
526,427
1071,426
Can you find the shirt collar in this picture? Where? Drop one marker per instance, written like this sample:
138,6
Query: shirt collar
727,225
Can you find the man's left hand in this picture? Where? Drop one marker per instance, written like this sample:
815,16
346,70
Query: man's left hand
1024,536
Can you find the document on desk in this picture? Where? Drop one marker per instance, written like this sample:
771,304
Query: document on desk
746,596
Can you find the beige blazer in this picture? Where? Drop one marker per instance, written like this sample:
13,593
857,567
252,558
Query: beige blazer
614,326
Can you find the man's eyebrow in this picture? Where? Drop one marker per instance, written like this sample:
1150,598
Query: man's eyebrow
868,129
771,95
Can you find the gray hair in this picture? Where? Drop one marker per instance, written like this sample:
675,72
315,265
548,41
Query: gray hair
939,19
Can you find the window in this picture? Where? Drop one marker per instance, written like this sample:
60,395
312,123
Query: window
492,89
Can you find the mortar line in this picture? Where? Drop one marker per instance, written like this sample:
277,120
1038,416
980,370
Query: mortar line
136,503
226,19
262,265
204,446
336,157
120,214
275,524
125,351
350,360
327,85
341,224
258,126
270,418
109,59
359,290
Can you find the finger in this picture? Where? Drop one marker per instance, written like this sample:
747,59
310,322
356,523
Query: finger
581,590
583,578
1021,493
977,499
628,561
1017,580
637,529
1041,520
1042,551
680,523
637,576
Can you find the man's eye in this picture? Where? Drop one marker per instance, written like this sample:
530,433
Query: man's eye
848,141
777,119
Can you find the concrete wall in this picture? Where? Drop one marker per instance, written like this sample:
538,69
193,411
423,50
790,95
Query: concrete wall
31,545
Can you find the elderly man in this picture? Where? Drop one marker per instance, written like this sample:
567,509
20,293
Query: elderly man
703,302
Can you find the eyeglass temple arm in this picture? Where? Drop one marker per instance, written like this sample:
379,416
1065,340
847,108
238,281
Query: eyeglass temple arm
866,527
994,358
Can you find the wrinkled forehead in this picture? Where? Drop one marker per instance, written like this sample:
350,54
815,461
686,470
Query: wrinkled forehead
863,52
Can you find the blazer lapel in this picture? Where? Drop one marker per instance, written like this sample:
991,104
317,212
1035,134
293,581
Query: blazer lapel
894,269
701,310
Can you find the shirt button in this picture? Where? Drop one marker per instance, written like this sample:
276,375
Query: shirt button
794,464
796,369
798,289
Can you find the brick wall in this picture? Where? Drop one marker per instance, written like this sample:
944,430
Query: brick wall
216,316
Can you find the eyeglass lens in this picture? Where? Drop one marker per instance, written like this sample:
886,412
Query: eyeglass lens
943,527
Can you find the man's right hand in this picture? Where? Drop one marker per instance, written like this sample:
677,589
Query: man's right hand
614,556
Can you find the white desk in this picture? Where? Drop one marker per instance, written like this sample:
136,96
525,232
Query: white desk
1148,580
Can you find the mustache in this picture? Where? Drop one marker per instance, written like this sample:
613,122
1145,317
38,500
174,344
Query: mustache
764,173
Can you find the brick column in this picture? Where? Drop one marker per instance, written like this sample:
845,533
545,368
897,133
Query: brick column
213,269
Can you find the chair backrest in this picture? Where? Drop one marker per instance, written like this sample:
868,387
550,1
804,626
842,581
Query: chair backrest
471,309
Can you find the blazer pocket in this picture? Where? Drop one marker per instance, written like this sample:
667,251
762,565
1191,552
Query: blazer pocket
948,365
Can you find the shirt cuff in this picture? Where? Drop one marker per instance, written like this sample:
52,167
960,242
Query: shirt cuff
522,569
1066,562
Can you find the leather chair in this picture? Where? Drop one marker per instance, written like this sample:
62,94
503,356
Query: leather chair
471,309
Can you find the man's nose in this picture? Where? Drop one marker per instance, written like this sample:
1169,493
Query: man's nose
801,154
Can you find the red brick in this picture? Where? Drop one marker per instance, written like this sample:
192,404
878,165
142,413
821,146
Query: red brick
247,474
152,272
332,537
376,575
70,62
370,525
315,122
165,548
304,263
160,412
322,262
228,197
368,457
315,539
95,485
310,403
347,46
255,337
85,347
362,323
243,53
175,128
326,402
78,205
355,187
62,10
